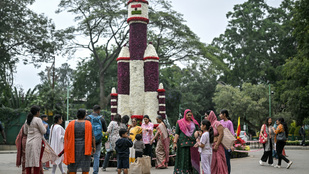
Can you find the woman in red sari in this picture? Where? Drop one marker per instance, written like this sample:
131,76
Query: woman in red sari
20,142
162,148
218,162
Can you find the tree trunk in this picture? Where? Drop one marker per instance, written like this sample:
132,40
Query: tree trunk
103,99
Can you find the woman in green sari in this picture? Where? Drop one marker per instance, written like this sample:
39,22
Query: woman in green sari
187,156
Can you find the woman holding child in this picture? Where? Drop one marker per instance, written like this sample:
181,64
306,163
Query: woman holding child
187,156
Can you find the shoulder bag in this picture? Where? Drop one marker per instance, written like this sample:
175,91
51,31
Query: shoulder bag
263,140
281,136
108,143
228,138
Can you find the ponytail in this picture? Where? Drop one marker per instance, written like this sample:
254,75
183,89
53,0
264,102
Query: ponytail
33,111
211,135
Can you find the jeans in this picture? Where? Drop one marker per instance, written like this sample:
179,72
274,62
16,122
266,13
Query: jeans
106,159
96,158
228,159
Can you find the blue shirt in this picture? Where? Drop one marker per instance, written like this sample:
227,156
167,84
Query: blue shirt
46,135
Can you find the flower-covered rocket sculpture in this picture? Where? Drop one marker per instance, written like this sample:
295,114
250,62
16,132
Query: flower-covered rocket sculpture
138,70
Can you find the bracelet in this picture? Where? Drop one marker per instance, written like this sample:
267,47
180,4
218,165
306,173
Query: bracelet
175,142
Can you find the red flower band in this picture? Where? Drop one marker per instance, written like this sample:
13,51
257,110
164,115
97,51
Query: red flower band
138,117
144,1
155,58
114,94
123,58
138,19
161,90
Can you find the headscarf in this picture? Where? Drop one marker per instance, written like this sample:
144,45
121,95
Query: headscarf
214,122
185,125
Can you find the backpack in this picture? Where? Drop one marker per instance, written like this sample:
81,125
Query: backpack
96,128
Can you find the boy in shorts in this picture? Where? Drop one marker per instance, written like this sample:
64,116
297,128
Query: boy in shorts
122,148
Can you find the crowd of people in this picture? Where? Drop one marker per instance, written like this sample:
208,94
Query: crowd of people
37,143
197,146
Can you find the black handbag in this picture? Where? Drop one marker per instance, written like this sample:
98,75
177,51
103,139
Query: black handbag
281,136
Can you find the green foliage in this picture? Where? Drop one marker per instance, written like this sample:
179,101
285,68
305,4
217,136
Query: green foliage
256,42
294,87
25,36
8,115
249,102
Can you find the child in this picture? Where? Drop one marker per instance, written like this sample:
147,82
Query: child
122,148
139,146
204,145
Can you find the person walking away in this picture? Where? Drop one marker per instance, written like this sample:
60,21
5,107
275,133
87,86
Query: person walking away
281,136
98,126
122,148
139,146
113,131
2,133
204,145
163,143
56,141
34,129
218,160
187,156
302,133
147,127
269,145
79,142
134,130
20,142
227,123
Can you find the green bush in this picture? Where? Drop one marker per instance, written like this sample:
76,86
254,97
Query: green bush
8,115
296,132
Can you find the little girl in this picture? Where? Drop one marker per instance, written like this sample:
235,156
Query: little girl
204,145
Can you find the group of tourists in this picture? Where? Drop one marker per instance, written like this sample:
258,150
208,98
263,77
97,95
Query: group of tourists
83,137
201,144
197,146
275,139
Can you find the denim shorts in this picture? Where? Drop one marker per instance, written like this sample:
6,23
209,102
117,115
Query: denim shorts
123,163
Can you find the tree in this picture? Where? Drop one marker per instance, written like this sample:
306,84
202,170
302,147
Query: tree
86,84
24,36
294,88
105,21
249,102
256,42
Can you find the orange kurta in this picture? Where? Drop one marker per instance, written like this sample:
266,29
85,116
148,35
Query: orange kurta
69,142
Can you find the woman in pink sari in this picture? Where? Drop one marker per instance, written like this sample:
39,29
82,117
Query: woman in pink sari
162,148
218,162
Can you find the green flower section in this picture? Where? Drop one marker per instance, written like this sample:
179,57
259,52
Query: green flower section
136,12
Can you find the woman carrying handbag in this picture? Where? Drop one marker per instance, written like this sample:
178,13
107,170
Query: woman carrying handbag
268,145
281,137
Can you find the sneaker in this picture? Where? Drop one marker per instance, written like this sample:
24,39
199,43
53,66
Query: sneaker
272,165
261,163
289,164
103,169
276,166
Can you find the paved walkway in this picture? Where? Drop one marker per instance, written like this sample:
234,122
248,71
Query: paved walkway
239,165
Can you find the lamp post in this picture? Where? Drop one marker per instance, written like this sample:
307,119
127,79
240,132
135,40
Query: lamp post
270,93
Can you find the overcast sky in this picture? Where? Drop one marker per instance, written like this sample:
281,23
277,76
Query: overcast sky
206,18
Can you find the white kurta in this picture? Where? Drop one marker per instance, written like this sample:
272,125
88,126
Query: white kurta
34,132
56,140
